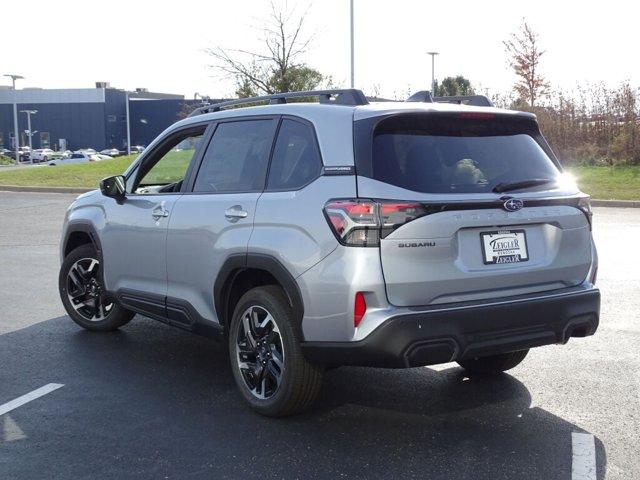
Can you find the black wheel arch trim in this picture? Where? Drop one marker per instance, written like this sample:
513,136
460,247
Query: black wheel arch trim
83,227
236,263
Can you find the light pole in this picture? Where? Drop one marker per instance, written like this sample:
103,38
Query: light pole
128,126
16,142
352,48
29,132
433,71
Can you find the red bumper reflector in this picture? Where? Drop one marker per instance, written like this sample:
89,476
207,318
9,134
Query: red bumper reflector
359,309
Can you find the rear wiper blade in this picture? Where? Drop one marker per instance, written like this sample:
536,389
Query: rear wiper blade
534,182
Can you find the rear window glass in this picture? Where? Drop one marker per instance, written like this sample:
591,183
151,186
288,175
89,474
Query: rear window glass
448,154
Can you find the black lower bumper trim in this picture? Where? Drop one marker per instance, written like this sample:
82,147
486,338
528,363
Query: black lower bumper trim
444,335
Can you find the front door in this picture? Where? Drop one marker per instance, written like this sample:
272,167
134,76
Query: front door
135,231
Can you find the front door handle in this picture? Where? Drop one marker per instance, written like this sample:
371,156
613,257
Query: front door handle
160,212
235,213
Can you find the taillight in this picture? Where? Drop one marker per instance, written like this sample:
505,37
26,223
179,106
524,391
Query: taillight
584,204
361,223
396,214
359,308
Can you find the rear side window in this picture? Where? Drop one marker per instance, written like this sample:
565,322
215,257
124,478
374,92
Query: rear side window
296,159
445,153
237,157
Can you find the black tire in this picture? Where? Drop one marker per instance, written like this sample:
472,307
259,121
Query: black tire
493,364
108,314
300,381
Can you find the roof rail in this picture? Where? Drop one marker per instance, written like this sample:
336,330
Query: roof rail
476,100
347,96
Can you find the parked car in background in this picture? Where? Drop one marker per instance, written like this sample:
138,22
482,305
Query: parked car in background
112,152
25,154
137,148
41,155
76,157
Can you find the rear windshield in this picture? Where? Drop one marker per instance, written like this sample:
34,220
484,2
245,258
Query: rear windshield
445,153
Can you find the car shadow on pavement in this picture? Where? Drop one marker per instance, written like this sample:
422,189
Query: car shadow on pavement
151,401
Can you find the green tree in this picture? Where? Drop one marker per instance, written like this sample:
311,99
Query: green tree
278,67
452,86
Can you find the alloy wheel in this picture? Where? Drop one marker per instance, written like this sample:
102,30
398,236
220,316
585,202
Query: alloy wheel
85,291
260,352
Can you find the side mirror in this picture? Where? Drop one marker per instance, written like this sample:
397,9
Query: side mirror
114,187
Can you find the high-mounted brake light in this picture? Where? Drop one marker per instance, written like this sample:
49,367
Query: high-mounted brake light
361,223
476,115
359,308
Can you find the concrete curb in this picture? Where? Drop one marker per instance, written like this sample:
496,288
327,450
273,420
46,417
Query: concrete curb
20,188
616,203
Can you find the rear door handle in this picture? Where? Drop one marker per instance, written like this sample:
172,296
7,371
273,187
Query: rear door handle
235,213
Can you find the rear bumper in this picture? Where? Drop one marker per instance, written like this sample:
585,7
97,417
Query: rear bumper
443,335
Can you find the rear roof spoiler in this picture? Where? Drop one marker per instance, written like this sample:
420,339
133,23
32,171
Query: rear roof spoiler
475,100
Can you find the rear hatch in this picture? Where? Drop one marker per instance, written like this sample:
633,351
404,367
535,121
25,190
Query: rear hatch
480,207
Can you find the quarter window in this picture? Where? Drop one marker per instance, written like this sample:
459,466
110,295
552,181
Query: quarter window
237,157
296,159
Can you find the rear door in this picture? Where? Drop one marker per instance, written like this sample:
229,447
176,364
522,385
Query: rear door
214,219
492,215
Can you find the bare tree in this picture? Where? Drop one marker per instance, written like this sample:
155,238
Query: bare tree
279,67
525,53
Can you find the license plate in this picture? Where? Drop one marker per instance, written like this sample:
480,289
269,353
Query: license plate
504,246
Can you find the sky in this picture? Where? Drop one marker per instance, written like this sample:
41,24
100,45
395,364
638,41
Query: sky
73,44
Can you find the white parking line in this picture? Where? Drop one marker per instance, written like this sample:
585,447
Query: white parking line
583,465
18,402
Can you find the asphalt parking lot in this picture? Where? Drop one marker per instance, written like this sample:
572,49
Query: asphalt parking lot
151,401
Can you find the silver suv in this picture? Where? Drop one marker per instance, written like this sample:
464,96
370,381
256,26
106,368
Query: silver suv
340,232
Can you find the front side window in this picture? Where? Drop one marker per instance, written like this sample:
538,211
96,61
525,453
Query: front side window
237,157
447,154
171,162
296,159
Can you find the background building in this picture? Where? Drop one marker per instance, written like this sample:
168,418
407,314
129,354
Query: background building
88,117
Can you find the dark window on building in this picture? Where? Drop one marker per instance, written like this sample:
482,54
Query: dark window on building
45,140
236,159
1,140
296,159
